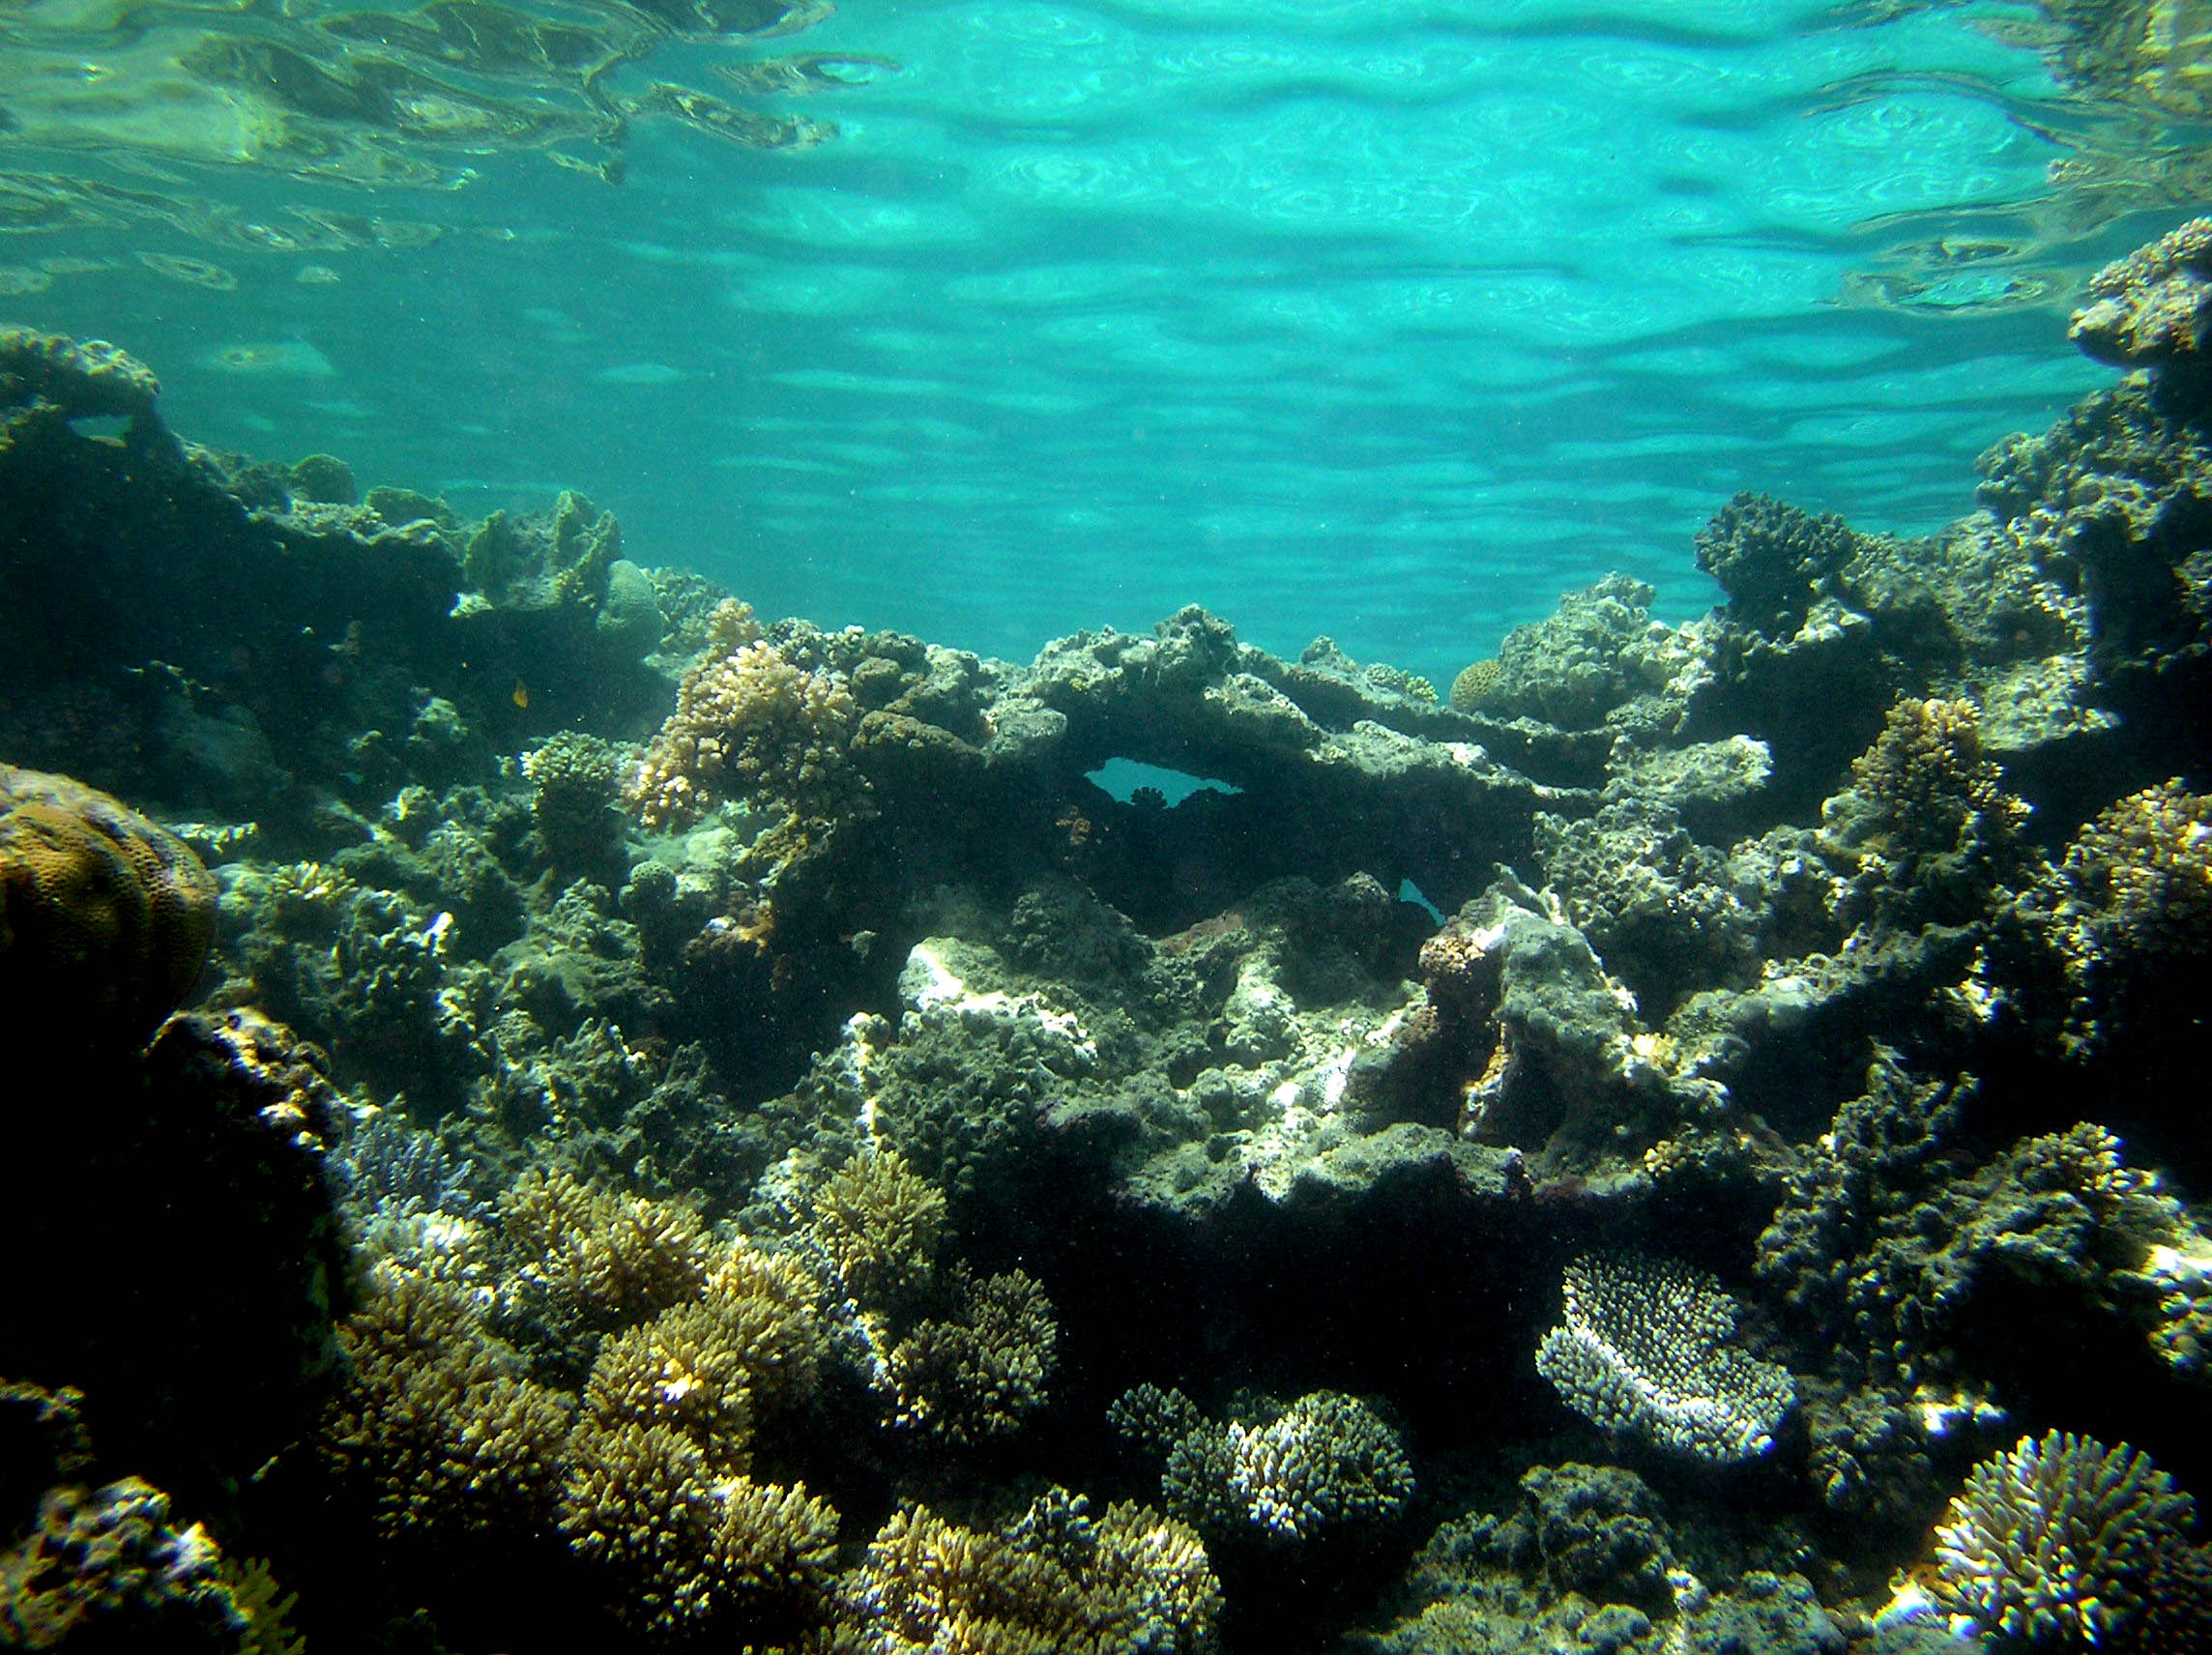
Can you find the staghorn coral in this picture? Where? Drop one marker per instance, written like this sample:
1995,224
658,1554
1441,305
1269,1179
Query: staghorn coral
1325,1463
1055,1581
1644,1348
878,1223
105,918
594,1261
693,1547
2054,1541
980,1374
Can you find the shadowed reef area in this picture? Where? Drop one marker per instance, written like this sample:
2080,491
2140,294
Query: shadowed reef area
692,1131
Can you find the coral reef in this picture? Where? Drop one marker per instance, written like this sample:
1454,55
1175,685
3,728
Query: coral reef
753,1090
1646,1347
2154,307
2054,1541
105,917
1055,1579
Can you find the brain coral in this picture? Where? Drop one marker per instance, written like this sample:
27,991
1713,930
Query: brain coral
1644,1348
105,917
2052,1541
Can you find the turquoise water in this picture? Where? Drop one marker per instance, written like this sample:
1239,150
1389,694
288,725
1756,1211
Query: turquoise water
1388,321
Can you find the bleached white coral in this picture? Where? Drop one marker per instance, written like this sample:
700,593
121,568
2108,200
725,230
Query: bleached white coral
1644,1348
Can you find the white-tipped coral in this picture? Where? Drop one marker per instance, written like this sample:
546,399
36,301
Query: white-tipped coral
1644,1348
2052,1541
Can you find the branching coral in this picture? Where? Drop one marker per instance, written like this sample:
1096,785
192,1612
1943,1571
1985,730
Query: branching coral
978,1375
1055,1582
1328,1462
597,1261
2129,910
1644,1348
749,722
576,781
878,1223
2054,1541
1927,787
693,1544
438,1424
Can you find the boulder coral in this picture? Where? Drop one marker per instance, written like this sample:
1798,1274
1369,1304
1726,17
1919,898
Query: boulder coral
105,918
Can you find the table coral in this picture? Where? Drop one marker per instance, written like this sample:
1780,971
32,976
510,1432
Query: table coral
1646,1347
105,918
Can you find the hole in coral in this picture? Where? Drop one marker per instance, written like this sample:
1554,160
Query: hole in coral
1124,777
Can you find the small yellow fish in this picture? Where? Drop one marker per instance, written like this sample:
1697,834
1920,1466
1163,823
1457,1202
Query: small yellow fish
521,693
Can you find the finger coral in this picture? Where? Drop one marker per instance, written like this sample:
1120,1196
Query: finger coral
1326,1462
977,1374
595,1260
1055,1582
105,918
1644,1348
2053,1541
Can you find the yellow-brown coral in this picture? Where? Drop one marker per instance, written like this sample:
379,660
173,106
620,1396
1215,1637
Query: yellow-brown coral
104,916
1053,1583
692,1546
1932,789
1478,685
878,1223
750,723
597,1261
438,1424
769,1307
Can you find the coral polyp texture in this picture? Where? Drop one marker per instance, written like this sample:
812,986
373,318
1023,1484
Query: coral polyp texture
1646,1346
2057,1542
105,918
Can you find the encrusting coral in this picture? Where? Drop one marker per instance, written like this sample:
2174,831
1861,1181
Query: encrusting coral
105,917
1644,1346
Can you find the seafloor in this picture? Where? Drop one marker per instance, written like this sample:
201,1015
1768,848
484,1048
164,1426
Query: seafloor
689,1132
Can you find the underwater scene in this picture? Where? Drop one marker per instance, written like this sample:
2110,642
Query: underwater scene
977,828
